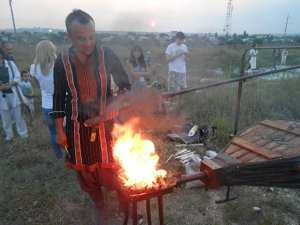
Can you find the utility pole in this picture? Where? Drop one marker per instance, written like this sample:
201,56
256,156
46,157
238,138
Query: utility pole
12,16
286,24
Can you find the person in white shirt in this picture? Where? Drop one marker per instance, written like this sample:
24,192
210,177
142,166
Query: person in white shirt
42,71
284,55
253,54
10,99
176,54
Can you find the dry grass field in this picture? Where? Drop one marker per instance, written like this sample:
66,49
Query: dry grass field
36,189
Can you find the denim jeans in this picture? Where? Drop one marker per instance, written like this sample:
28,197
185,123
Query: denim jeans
51,126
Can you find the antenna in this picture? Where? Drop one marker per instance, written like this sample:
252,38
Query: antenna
12,16
228,20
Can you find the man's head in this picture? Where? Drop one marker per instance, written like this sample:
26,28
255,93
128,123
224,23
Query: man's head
25,75
81,31
7,48
180,38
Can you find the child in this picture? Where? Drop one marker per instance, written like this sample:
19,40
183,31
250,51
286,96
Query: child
27,90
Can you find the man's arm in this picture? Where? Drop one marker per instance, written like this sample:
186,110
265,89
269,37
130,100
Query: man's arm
115,68
171,58
59,101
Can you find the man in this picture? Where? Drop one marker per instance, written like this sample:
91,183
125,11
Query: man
176,54
284,55
253,54
10,100
7,48
82,90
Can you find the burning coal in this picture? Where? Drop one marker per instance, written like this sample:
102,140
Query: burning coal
136,157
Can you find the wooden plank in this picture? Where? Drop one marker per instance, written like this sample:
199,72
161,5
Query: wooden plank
257,159
262,142
227,159
231,149
271,145
248,157
277,126
239,154
258,150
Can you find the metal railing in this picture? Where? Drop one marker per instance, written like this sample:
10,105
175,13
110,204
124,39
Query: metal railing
243,75
241,79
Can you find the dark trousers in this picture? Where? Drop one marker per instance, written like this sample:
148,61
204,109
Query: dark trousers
92,183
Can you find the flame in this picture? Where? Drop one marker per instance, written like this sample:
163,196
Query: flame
136,157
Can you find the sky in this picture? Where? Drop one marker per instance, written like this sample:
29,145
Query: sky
254,16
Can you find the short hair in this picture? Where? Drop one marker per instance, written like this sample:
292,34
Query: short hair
180,35
23,72
79,16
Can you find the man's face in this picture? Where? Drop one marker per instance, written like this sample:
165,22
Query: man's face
180,41
8,49
83,37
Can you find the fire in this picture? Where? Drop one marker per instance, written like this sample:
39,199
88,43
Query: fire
136,157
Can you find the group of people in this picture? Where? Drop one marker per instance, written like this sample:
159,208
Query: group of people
16,90
76,86
279,56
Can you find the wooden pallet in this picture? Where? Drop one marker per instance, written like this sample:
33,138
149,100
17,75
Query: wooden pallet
265,141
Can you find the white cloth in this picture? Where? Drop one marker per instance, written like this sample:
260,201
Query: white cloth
284,55
13,99
179,64
9,117
46,84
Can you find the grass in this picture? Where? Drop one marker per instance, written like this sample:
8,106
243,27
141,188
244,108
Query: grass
36,189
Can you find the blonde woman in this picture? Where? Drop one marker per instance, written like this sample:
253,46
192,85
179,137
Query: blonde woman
42,71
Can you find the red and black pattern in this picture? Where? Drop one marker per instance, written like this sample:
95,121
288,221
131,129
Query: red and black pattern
89,148
74,105
88,155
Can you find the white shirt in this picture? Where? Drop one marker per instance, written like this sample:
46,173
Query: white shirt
46,84
177,65
11,100
253,52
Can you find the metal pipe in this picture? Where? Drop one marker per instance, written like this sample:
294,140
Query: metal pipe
239,94
185,179
277,47
148,210
229,81
160,209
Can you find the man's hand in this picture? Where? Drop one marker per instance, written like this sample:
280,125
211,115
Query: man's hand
171,58
92,122
4,87
61,139
13,83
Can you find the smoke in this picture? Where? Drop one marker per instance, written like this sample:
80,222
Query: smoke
132,21
147,104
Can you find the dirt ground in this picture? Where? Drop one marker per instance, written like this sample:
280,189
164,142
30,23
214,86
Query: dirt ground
36,189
